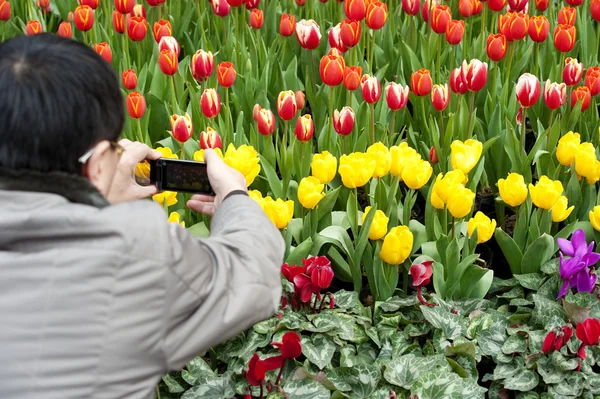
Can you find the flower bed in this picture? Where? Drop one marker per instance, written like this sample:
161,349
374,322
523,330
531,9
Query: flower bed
438,235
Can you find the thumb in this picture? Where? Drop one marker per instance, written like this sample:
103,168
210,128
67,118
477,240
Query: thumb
146,191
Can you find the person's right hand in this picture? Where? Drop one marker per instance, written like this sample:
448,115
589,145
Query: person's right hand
223,180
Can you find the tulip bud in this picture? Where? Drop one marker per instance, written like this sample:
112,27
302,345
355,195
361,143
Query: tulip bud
513,189
103,49
182,127
124,6
160,29
256,18
581,93
352,77
528,90
210,139
573,71
539,27
300,99
169,43
484,225
379,225
300,3
129,79
440,16
397,245
167,60
210,102
567,15
371,89
564,37
310,193
555,94
202,65
137,27
513,25
541,5
396,96
305,128
90,3
308,34
255,111
343,121
221,7
33,27
355,10
335,38
474,74
466,8
136,104
594,9
324,166
226,74
64,29
43,3
411,7
84,18
377,13
235,3
265,121
331,69
433,156
286,105
287,25
440,97
496,5
592,80
455,31
457,84
420,82
118,20
5,11
350,32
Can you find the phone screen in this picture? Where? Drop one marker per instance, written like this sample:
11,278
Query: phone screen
182,176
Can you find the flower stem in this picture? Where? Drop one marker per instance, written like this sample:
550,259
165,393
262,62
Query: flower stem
471,116
280,373
404,279
261,391
330,118
173,94
523,131
312,71
229,128
372,123
391,130
420,298
453,226
140,134
314,310
372,52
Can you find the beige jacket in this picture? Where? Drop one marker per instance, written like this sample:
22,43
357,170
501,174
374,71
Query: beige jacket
100,301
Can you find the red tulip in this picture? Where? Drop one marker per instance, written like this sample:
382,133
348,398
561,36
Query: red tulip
567,15
136,104
350,32
377,13
252,4
588,333
513,25
104,50
478,7
420,82
138,11
226,74
84,18
221,7
287,25
396,96
308,34
169,43
124,6
555,94
64,29
371,89
421,273
433,156
496,46
286,105
305,128
528,90
167,60
457,84
455,31
352,77
210,102
574,3
90,3
300,100
592,80
154,3
256,18
331,69
291,271
5,11
301,3
33,27
129,79
466,8
137,27
235,3
118,21
594,9
573,71
581,93
517,5
496,5
335,38
210,139
440,16
202,65
355,10
564,37
411,7
440,97
256,368
549,342
162,28
343,121
539,27
425,9
265,121
182,127
474,74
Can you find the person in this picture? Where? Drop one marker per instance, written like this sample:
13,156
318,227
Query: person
99,295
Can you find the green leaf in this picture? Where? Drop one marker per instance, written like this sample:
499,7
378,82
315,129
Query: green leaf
199,230
300,252
548,371
539,252
514,344
452,325
530,281
217,388
406,370
511,251
274,182
172,383
545,309
551,267
361,380
524,380
436,385
326,204
490,341
318,350
197,370
306,389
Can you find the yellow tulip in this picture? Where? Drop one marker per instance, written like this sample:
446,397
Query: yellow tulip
460,201
567,148
513,189
397,245
585,162
595,217
560,211
546,192
416,173
166,152
436,201
256,196
199,155
142,169
444,185
169,196
356,169
379,224
484,225
382,156
245,160
324,166
279,211
464,156
401,155
175,217
310,192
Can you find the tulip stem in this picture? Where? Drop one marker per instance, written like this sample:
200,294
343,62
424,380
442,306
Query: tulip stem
140,134
511,51
537,58
173,94
312,72
438,68
125,51
471,116
373,123
410,31
453,226
372,52
523,130
597,41
331,88
391,130
229,117
404,279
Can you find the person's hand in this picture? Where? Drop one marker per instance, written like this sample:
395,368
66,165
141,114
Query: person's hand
123,187
223,180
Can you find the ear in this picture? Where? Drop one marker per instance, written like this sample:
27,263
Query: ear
94,167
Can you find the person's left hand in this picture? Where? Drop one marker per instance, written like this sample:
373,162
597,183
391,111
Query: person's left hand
123,187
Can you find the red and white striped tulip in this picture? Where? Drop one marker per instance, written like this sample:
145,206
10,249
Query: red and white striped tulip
440,97
528,90
182,127
555,94
573,71
308,34
474,74
396,96
343,121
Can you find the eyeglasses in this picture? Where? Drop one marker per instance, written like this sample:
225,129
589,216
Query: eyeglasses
114,145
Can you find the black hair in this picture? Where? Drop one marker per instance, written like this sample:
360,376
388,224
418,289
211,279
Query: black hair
58,99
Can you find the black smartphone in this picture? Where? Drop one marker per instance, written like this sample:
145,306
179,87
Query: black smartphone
181,176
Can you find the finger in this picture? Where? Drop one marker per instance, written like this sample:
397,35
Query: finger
134,153
125,143
203,198
146,191
202,207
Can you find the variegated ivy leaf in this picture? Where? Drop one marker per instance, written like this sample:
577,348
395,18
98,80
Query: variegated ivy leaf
407,369
347,300
471,390
265,327
435,385
514,344
523,380
351,356
418,330
549,373
499,284
306,389
292,321
550,288
545,309
551,267
319,349
490,341
358,382
172,383
528,395
253,342
396,303
572,386
516,292
324,322
506,370
197,371
562,363
478,323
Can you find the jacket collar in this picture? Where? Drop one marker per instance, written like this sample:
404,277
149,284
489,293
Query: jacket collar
72,187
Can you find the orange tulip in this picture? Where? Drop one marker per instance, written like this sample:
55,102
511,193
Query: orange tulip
124,6
202,65
377,13
265,121
118,21
567,15
226,74
440,16
169,43
455,32
305,128
350,32
331,69
287,25
210,103
539,27
286,105
496,46
91,3
5,10
256,18
352,77
162,28
496,5
300,99
104,50
355,10
129,79
137,27
592,80
136,104
466,8
167,60
64,29
541,5
564,37
513,25
84,18
335,38
33,27
581,93
420,82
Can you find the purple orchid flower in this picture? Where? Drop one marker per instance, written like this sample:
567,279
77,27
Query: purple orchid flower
575,270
